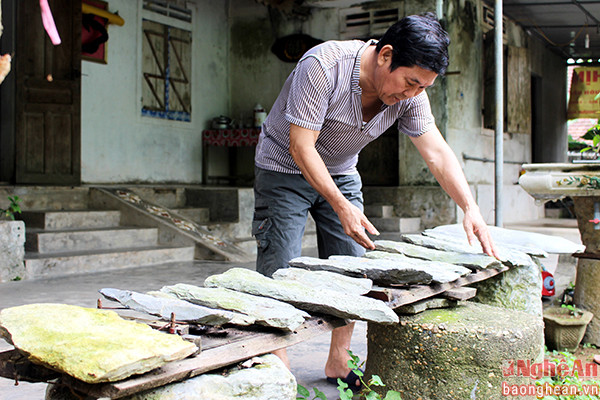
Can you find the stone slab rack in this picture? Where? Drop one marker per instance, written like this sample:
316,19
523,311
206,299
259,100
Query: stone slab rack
218,351
233,344
398,297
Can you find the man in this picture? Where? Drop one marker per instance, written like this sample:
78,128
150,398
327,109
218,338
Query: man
341,96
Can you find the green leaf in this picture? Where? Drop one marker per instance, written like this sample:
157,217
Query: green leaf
392,395
596,140
597,96
302,391
585,149
373,396
376,380
319,394
345,394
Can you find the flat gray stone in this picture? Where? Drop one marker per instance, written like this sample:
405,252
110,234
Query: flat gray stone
264,310
440,272
469,260
527,241
305,297
326,280
381,272
427,304
509,256
260,378
184,311
89,344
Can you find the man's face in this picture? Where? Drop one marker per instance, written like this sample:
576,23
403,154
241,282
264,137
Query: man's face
402,83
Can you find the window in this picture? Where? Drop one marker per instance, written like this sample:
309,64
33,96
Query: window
357,22
166,71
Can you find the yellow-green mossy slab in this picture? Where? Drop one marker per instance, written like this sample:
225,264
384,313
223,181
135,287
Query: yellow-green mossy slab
89,344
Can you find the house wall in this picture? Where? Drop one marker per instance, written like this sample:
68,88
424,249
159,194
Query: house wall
117,143
456,99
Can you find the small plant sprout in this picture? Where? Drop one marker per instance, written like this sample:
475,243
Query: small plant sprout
574,311
13,207
366,392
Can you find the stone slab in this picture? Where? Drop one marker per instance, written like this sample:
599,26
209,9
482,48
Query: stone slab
528,242
509,256
263,310
326,280
469,260
183,310
89,344
381,272
304,296
440,272
427,304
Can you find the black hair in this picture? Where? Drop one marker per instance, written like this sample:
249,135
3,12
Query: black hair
418,40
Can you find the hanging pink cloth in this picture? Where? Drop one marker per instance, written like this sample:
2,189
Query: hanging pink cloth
48,22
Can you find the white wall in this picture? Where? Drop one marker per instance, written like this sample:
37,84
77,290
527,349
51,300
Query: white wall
117,143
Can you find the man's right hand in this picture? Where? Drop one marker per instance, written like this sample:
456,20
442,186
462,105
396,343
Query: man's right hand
354,223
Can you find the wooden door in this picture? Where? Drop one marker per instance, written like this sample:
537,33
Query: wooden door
48,95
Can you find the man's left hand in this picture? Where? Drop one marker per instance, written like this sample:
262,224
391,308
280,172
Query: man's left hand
476,228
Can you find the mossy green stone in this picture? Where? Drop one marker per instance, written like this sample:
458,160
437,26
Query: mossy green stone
89,344
453,353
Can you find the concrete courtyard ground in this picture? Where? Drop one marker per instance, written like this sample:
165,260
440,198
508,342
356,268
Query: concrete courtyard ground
307,358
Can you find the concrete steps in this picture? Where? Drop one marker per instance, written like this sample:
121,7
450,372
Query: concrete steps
89,239
83,241
60,264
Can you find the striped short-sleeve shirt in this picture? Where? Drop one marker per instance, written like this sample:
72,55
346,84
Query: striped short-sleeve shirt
323,94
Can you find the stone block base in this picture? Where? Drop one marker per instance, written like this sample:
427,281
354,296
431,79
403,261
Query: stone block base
454,353
12,250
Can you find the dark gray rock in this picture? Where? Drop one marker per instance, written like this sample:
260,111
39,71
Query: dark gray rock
469,260
440,272
381,272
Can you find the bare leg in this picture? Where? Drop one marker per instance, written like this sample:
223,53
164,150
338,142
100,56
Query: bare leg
337,363
282,354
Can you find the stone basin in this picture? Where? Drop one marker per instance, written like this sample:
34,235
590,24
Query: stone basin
582,183
554,181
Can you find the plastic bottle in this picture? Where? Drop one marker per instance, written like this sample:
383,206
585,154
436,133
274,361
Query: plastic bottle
259,115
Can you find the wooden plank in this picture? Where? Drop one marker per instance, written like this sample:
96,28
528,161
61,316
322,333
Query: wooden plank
415,293
210,359
460,293
14,365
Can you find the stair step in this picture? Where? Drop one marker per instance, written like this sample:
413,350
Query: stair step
379,211
73,219
403,225
61,264
81,240
199,215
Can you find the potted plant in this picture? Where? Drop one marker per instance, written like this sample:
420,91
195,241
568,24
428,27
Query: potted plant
565,326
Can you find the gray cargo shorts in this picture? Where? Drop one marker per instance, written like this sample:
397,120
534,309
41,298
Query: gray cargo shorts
281,206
